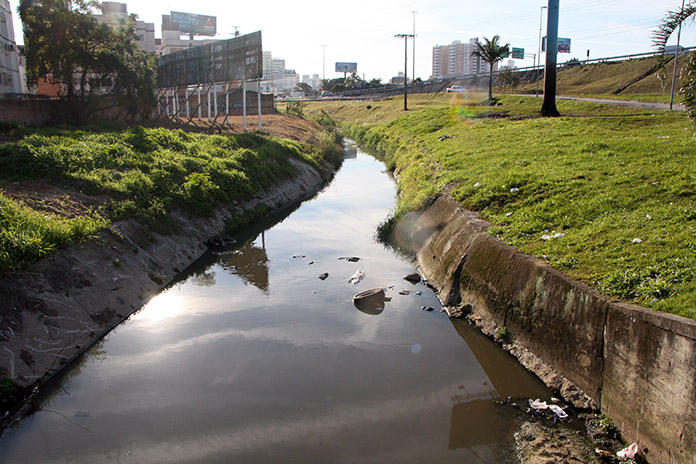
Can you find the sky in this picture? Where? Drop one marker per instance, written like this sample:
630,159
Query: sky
313,35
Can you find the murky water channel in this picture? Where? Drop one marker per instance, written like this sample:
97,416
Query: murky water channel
251,358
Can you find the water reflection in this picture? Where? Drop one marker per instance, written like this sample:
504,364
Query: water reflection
507,376
252,358
250,263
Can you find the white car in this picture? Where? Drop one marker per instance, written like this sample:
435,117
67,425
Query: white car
455,88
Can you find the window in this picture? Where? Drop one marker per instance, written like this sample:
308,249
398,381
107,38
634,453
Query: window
3,25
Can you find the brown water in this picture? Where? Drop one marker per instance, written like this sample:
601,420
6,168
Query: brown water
251,358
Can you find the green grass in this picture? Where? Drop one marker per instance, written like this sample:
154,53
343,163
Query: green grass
27,235
143,173
601,175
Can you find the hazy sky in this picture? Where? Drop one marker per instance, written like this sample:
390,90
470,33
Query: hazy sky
363,31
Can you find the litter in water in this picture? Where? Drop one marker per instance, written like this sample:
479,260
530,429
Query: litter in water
357,277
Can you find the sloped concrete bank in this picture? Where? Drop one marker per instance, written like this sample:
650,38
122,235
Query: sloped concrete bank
639,366
51,313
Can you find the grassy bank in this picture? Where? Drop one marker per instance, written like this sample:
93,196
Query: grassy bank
62,185
604,193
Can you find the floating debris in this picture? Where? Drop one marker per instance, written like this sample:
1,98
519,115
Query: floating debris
357,277
414,278
404,292
350,259
221,242
324,276
370,301
298,256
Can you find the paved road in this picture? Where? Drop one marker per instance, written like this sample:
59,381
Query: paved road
629,103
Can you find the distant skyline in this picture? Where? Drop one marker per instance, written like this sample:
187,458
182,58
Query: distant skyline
363,32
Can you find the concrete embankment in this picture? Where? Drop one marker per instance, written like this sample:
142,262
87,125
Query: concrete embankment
52,312
638,365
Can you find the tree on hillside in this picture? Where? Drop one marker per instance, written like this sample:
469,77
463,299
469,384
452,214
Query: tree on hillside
670,23
66,45
508,78
491,52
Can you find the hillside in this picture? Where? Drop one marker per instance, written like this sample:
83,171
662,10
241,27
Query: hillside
637,78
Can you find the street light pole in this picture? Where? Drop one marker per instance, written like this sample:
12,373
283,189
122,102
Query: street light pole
405,37
541,16
323,66
413,55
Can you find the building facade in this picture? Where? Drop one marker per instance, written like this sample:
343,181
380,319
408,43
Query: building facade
456,59
9,57
276,78
116,13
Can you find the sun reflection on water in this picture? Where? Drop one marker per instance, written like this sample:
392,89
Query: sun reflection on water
163,306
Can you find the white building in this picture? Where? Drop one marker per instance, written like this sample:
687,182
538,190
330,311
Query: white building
116,13
456,59
277,79
314,82
9,57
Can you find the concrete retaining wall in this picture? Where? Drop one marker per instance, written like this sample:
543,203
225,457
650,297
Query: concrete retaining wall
638,365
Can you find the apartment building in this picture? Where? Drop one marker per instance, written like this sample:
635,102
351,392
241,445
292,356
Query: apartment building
116,13
9,56
456,59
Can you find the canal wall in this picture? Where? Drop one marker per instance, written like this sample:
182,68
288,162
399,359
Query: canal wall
63,304
637,365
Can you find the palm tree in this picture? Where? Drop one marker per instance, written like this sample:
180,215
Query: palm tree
670,23
491,52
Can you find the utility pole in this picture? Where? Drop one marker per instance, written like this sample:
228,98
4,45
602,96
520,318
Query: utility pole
323,65
541,17
676,59
413,55
405,37
548,107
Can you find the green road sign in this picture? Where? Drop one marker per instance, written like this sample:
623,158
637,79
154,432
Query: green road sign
518,53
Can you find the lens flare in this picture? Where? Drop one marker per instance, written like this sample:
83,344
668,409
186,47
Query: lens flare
416,348
460,106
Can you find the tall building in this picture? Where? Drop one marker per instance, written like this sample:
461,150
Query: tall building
277,79
456,59
116,13
314,82
9,57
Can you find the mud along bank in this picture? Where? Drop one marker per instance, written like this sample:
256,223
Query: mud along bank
638,365
62,304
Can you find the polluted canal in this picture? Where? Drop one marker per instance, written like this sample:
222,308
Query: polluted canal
256,355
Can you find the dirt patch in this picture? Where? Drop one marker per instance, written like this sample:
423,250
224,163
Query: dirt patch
541,444
286,126
51,199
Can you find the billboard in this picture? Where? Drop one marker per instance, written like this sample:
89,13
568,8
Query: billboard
194,24
240,58
346,67
563,45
